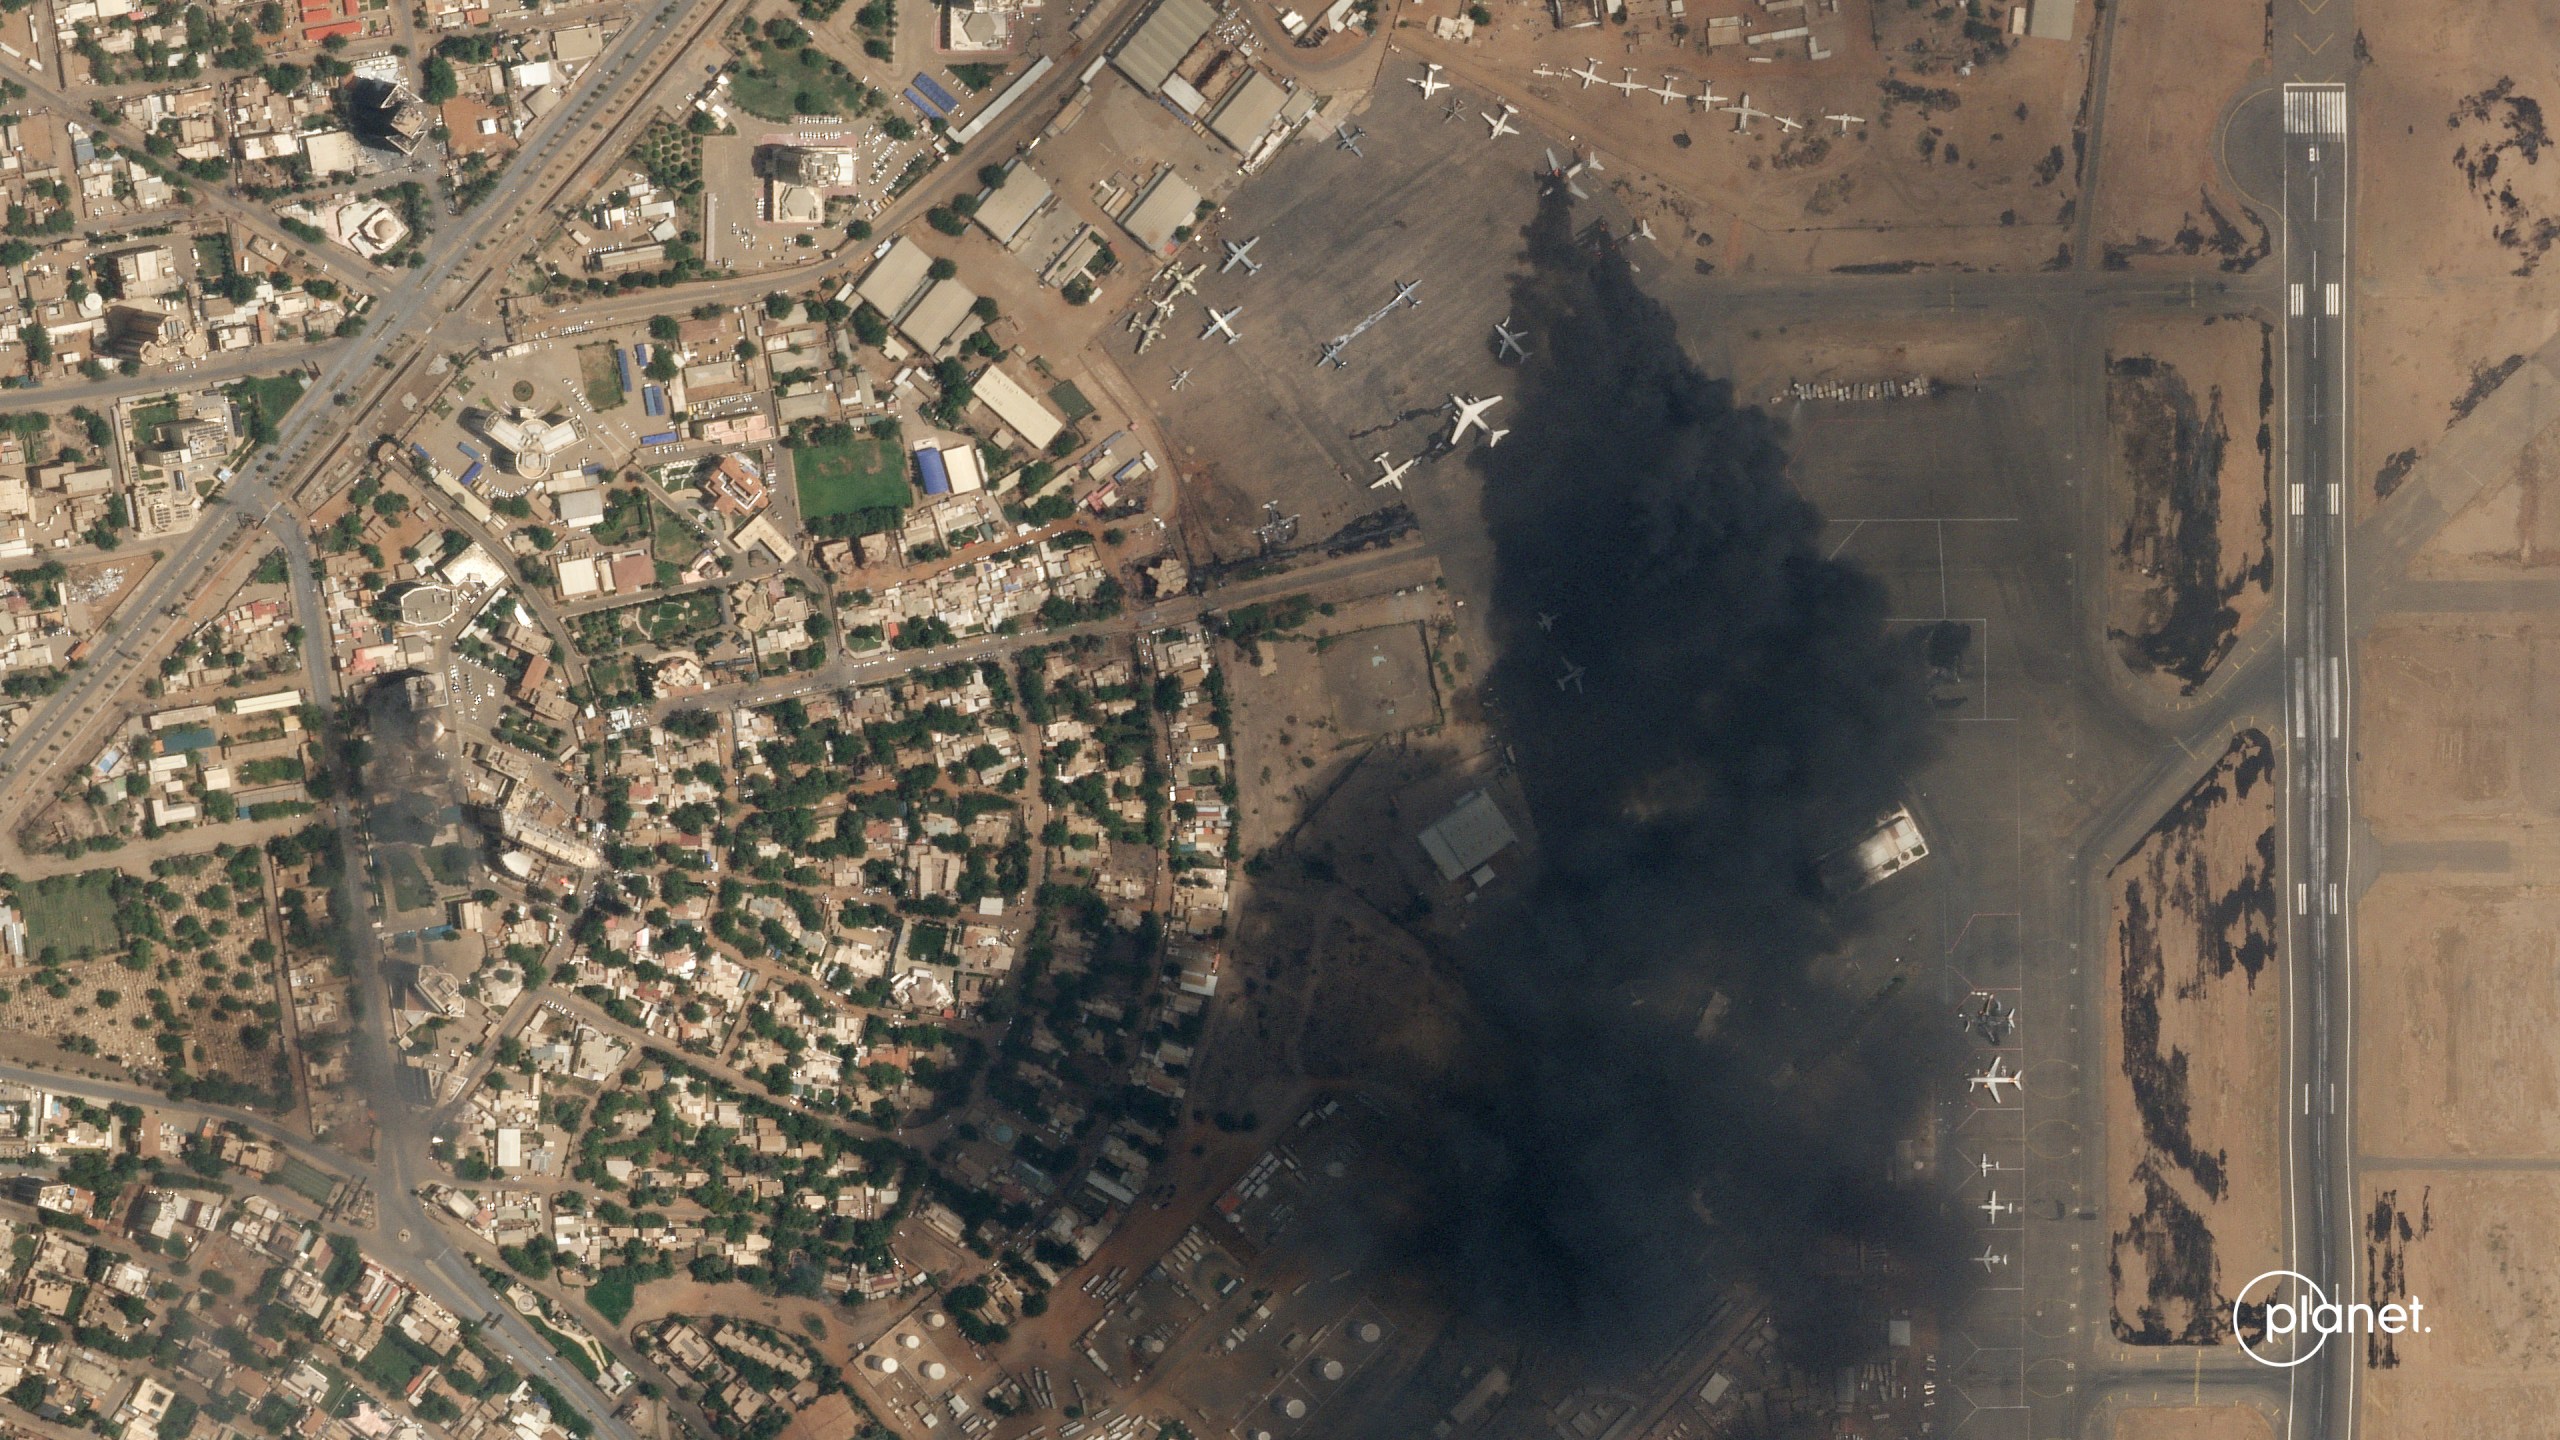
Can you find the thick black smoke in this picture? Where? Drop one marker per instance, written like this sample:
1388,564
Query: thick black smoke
1743,711
410,775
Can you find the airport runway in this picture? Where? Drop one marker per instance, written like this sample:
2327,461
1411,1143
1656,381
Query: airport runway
2318,813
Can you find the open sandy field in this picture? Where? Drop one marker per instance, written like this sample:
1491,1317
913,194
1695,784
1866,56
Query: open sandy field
1331,688
2192,1145
2449,120
2162,198
2513,528
2460,981
2458,991
2189,477
2453,710
2476,1247
2193,1422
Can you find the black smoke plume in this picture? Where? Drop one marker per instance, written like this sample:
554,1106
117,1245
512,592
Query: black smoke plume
410,776
1743,710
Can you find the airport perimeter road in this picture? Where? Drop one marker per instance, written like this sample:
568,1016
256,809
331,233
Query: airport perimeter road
2318,808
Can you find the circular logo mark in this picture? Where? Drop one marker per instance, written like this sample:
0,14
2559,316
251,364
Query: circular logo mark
2289,1319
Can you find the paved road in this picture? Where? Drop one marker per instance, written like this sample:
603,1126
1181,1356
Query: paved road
876,667
263,360
2318,813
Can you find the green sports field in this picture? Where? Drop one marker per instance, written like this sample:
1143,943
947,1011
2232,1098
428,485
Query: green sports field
847,476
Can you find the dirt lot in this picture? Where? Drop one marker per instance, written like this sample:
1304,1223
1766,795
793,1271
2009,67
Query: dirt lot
2514,526
2193,1148
2476,1248
2460,979
2189,476
2444,306
1380,681
1312,710
101,588
2458,705
2162,200
2194,1422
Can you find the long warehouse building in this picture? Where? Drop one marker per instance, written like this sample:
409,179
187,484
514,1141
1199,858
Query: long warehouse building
1148,56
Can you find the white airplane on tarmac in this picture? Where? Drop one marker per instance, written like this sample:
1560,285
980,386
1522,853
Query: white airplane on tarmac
1589,74
1222,324
1668,91
1788,123
1242,255
1745,113
1471,415
1394,473
1993,1078
1405,293
1184,281
1710,100
1629,85
1502,123
1563,174
1180,379
1430,81
1505,342
1987,1259
1845,121
1994,1206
